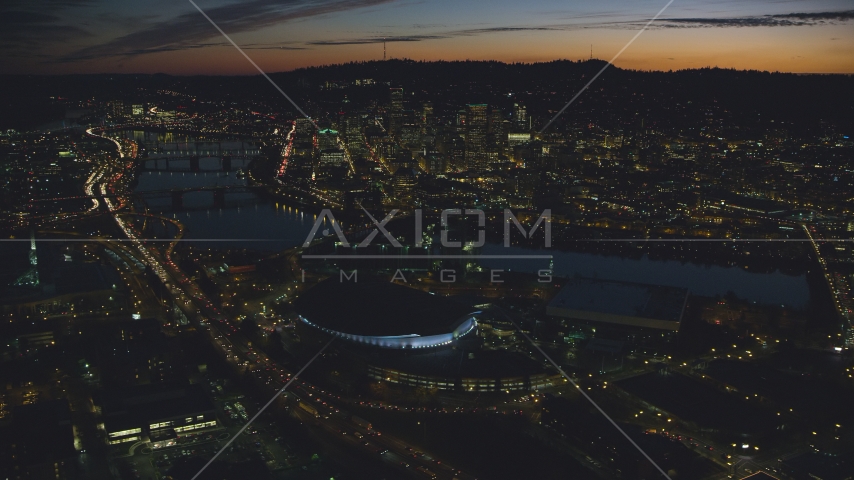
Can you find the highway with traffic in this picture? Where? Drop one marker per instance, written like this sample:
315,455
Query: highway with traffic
235,347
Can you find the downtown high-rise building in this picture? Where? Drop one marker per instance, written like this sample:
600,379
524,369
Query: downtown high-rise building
520,117
426,119
117,108
327,138
352,130
396,95
395,110
476,127
304,129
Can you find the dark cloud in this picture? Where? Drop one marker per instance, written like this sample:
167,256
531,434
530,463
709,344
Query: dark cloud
121,22
790,19
369,40
272,47
191,28
43,4
843,16
18,17
783,20
419,38
725,22
184,46
23,32
170,48
29,28
476,31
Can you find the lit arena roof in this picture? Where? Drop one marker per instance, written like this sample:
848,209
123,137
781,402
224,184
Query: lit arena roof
632,304
379,308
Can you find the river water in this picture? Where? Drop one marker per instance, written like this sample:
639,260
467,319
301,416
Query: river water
246,221
250,222
709,280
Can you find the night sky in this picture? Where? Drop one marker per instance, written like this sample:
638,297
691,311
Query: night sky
171,36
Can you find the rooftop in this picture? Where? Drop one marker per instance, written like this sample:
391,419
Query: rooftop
760,476
379,308
145,404
620,302
458,362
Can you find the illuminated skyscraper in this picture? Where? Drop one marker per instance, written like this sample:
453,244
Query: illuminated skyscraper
427,116
304,128
405,184
476,129
396,99
327,139
353,133
118,108
520,116
395,110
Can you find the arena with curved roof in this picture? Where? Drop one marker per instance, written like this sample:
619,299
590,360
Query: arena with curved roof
384,315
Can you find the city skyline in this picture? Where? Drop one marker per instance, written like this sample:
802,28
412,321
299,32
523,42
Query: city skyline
424,239
81,36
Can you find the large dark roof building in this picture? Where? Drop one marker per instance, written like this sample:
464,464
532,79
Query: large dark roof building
39,442
384,314
156,411
464,370
621,303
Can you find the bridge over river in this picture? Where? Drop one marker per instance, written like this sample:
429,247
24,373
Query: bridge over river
176,194
193,163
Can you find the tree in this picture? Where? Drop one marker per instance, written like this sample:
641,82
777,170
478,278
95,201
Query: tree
248,326
379,390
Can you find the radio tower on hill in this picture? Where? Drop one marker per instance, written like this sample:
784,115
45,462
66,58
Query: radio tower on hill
383,48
